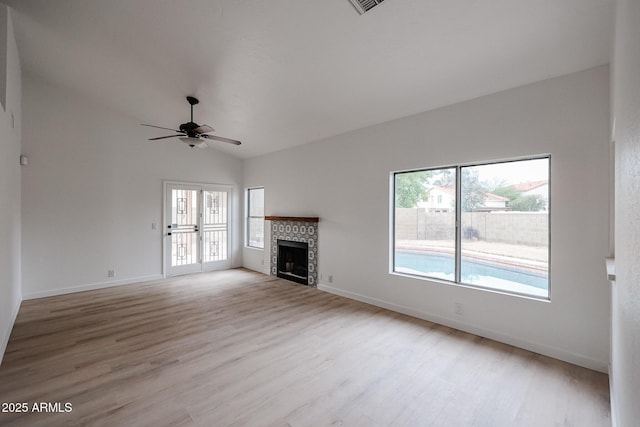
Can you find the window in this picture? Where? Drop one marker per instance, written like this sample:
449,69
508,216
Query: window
487,227
255,218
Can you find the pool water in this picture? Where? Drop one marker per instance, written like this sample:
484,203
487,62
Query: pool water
472,272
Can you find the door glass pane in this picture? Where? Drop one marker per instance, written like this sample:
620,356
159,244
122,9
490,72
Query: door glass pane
184,227
425,219
215,226
505,226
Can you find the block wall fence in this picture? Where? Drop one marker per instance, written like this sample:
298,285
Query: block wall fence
418,224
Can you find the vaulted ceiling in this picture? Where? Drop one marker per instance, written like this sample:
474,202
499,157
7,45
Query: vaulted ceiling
279,73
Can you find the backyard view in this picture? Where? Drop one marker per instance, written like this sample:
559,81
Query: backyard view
504,232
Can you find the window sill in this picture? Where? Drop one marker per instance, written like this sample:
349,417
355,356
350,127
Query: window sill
473,287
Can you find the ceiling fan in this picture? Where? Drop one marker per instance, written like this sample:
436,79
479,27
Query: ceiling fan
193,134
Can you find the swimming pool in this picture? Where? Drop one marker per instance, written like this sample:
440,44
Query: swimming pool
472,272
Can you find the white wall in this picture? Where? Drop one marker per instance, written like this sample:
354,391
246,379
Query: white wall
93,187
345,181
625,357
10,140
4,38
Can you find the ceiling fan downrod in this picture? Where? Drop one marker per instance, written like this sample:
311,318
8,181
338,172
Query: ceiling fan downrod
192,101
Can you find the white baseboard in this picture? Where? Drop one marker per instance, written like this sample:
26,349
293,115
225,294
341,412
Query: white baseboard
7,335
92,286
546,350
266,271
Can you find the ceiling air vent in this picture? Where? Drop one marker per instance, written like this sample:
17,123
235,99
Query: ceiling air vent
363,6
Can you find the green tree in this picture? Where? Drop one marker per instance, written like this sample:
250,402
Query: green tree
506,191
446,178
530,203
518,202
473,190
495,183
411,188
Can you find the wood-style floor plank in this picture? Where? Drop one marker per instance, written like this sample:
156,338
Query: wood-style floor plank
238,348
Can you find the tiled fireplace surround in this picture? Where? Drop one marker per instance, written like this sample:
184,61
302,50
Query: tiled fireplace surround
296,229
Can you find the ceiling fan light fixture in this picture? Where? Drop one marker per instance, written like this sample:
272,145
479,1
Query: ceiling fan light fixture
194,142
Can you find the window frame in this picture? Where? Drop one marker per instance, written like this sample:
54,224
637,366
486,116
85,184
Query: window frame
249,217
458,229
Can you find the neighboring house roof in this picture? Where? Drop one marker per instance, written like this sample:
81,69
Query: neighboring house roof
488,196
491,196
528,186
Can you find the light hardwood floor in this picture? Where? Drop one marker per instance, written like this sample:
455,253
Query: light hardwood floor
239,348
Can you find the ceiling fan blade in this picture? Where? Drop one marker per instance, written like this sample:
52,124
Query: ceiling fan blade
160,127
203,129
222,139
163,137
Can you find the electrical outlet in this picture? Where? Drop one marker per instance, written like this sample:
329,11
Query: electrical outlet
111,273
154,225
458,308
331,278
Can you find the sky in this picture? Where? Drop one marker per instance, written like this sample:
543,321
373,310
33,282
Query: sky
506,173
515,172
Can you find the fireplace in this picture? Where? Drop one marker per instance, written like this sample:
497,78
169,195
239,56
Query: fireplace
292,261
300,238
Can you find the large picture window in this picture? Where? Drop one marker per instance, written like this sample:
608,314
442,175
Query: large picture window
255,218
483,225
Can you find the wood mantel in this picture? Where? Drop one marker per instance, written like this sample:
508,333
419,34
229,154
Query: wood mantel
292,218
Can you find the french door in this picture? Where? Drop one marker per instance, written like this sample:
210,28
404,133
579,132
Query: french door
196,228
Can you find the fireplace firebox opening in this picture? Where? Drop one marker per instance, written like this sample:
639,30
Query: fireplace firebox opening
293,261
